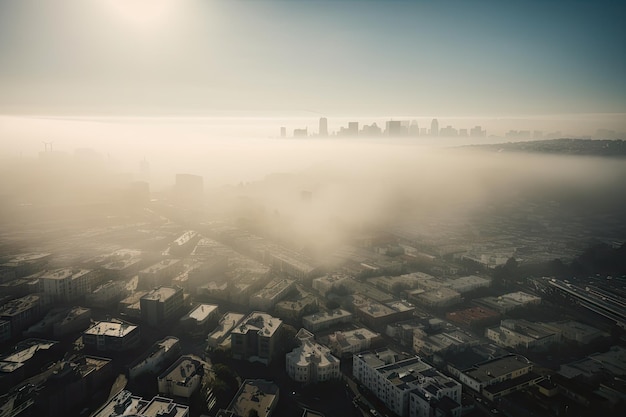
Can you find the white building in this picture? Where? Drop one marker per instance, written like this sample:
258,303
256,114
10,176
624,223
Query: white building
65,284
311,362
524,334
408,387
225,325
111,336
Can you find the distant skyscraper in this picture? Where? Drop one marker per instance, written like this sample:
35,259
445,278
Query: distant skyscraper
414,129
300,133
394,128
353,128
323,131
434,128
477,132
283,132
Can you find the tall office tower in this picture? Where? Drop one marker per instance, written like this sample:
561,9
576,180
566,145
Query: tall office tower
323,131
394,128
414,129
283,132
434,128
353,128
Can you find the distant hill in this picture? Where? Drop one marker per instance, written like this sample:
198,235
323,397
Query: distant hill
586,147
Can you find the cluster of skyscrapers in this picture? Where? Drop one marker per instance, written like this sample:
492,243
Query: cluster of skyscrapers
392,128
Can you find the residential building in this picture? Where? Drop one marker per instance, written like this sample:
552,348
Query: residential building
498,377
161,305
21,313
125,403
327,283
408,387
183,378
256,337
159,354
65,285
111,336
222,332
254,394
326,319
523,334
272,293
200,319
311,362
160,273
351,341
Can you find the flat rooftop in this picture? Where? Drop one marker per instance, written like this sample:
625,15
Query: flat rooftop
497,368
262,323
327,316
255,394
160,294
159,266
111,329
202,311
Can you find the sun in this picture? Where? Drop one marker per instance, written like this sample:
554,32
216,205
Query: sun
141,14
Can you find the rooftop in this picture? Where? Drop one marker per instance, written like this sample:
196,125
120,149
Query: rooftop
262,323
202,311
111,329
160,294
327,315
497,368
256,394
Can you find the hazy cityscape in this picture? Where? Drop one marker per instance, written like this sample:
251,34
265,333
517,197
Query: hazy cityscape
316,209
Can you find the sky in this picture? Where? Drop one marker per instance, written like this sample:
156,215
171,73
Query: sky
335,58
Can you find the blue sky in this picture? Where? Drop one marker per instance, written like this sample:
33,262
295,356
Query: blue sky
461,58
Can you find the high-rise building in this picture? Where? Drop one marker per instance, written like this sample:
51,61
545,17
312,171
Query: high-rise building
394,128
283,132
323,130
434,128
414,129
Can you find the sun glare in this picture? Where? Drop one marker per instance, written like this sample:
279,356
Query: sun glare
141,14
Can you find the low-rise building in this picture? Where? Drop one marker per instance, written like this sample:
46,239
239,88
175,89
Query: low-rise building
64,285
449,341
327,283
161,305
378,315
343,343
578,332
440,297
161,353
21,313
408,387
325,320
256,337
183,378
255,397
469,283
24,264
221,333
200,319
311,362
498,377
160,273
473,316
272,293
127,404
107,294
523,334
111,336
